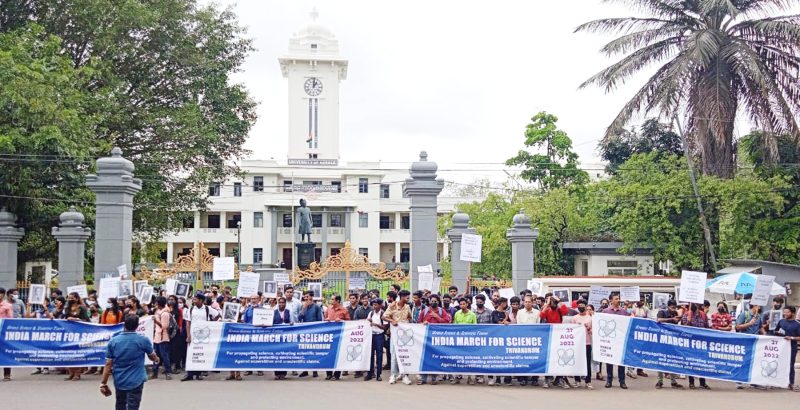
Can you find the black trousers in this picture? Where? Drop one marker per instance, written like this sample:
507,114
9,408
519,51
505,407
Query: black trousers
588,378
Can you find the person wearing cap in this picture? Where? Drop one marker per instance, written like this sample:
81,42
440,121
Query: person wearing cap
378,326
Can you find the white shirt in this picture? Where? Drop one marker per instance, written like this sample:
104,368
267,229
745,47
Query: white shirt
375,317
525,317
198,314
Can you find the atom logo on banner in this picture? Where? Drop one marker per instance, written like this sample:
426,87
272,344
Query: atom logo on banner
566,357
354,353
769,368
201,335
405,337
608,328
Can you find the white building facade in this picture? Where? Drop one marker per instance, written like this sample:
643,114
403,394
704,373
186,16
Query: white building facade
358,202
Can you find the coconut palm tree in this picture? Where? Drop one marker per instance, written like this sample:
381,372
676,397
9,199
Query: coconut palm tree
717,58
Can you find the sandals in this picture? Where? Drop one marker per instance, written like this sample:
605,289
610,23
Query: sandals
239,377
231,377
420,382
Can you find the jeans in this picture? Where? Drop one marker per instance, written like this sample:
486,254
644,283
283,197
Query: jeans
162,350
702,381
588,378
376,355
669,376
129,399
7,372
620,373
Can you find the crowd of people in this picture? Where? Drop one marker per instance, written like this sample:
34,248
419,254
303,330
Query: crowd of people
173,318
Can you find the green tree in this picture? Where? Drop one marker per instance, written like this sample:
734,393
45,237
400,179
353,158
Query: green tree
652,136
719,57
47,118
163,70
557,166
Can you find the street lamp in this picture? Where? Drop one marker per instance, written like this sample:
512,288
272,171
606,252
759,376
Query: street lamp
239,239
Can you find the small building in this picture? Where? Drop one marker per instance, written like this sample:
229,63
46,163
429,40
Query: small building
604,259
782,272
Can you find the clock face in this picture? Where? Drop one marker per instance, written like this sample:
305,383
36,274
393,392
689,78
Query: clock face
313,86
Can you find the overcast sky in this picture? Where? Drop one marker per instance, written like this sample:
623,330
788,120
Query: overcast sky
460,79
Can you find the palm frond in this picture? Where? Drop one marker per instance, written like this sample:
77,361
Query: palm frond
753,7
719,7
618,73
622,25
631,41
661,8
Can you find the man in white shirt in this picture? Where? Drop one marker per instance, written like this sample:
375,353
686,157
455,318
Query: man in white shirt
529,315
198,313
378,326
294,305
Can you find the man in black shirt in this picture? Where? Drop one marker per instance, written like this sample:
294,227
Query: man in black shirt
668,315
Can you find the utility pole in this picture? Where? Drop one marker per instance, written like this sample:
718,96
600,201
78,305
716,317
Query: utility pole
703,220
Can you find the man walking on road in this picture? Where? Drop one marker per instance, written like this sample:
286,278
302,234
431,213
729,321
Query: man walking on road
124,358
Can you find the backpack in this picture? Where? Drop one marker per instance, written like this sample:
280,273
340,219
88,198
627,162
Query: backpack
173,327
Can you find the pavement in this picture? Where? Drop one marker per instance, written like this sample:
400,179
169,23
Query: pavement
263,392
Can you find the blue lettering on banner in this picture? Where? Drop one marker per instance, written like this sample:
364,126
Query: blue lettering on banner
687,350
486,349
53,343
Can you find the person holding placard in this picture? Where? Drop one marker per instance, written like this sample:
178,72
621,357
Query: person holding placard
161,339
695,317
198,313
668,315
309,313
378,326
748,321
336,313
398,312
437,315
615,309
282,316
767,318
584,319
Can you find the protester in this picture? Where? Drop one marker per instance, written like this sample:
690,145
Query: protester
641,311
437,315
124,360
282,316
293,304
500,317
553,312
378,327
583,318
615,309
695,317
398,312
161,324
75,311
309,313
789,328
767,324
483,315
391,297
336,313
668,315
17,304
464,317
6,312
721,320
177,344
198,313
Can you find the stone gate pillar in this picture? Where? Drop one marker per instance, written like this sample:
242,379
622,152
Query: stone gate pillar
459,268
423,189
522,239
71,236
10,236
114,187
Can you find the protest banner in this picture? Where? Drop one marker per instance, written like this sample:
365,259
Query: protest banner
647,344
693,287
471,248
218,346
555,350
223,269
597,294
263,316
762,290
248,284
629,293
58,343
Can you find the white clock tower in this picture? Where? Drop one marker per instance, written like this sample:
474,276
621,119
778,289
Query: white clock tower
314,69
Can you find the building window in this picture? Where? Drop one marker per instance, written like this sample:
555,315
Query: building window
237,189
312,156
287,186
258,184
287,220
405,222
384,191
363,252
338,185
386,222
258,255
622,267
363,185
213,221
312,182
405,255
258,219
316,220
213,190
337,221
233,223
363,220
313,46
188,222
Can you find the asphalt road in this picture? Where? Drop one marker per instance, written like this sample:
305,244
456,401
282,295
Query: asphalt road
51,391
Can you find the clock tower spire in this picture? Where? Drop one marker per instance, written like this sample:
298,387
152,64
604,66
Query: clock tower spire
314,69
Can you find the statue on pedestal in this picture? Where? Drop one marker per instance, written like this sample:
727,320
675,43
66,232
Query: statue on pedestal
304,221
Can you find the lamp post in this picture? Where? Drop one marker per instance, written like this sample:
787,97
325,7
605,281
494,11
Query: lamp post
239,240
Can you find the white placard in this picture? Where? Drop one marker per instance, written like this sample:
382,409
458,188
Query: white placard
145,295
270,289
437,284
425,269
597,294
507,293
248,284
281,277
471,247
81,291
123,271
230,312
263,316
535,286
109,288
223,269
358,284
138,285
316,289
125,288
762,290
693,287
425,281
36,294
563,295
182,290
660,300
169,286
629,294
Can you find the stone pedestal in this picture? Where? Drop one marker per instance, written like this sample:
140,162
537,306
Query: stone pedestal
10,236
459,268
305,254
423,190
114,187
71,236
522,239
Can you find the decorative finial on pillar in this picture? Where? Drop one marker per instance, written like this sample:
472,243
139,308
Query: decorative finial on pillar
423,156
116,152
